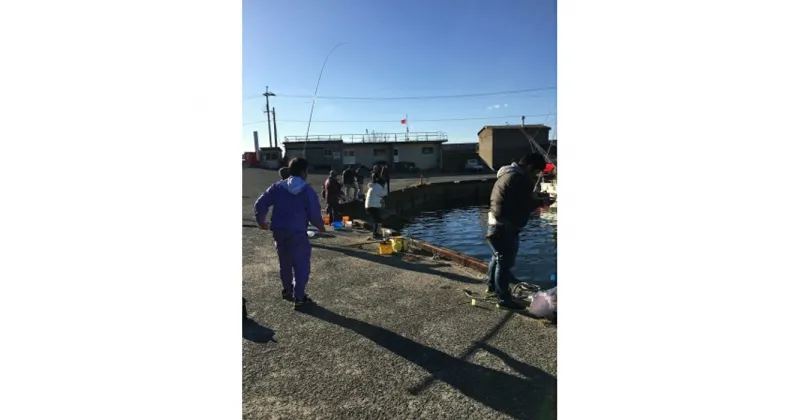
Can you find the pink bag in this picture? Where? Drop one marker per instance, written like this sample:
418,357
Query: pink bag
543,304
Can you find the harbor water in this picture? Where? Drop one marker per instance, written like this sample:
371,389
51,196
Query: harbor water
463,230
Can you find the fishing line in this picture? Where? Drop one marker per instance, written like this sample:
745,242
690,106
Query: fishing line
532,141
314,101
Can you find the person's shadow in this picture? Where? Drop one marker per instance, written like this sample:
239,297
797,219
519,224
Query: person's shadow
253,331
523,398
399,263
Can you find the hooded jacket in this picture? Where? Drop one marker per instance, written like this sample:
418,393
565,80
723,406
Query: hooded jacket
512,199
375,193
294,203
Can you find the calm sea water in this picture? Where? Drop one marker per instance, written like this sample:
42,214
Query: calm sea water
463,230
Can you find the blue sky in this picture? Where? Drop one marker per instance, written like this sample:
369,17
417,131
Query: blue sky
397,49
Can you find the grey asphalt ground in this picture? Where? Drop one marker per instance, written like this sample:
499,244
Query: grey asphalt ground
390,337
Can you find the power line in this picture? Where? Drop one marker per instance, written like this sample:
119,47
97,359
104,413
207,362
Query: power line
403,98
413,121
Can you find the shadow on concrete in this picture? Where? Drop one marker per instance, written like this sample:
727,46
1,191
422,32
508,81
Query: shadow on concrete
521,398
397,262
253,331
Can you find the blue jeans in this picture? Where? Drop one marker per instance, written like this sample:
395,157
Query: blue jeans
504,242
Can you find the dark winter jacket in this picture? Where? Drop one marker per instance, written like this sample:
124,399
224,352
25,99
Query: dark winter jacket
512,199
348,176
332,191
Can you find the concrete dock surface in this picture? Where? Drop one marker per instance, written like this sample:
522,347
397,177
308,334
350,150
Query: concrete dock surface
389,336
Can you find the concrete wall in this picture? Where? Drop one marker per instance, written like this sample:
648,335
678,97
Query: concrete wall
439,195
457,160
402,204
318,159
500,146
271,157
363,154
416,152
485,147
368,153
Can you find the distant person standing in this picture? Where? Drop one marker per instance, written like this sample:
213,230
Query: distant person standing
360,174
385,176
511,203
294,205
374,202
332,193
349,181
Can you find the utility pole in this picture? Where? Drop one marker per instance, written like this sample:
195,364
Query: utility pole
267,94
275,126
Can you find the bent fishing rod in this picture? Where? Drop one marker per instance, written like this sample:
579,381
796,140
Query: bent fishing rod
314,100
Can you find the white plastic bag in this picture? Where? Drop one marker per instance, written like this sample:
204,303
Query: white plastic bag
542,305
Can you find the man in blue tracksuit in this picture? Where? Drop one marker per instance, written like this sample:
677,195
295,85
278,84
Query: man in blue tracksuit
294,204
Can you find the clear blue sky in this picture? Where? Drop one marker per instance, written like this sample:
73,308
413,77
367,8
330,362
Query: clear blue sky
397,49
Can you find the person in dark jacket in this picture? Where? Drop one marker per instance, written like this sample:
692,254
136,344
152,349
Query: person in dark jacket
511,203
385,176
332,193
349,181
294,204
361,174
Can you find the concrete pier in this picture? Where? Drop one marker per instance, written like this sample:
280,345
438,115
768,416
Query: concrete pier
389,337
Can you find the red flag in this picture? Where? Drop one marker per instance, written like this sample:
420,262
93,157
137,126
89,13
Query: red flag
402,121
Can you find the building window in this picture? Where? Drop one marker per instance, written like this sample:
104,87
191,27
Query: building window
379,152
427,150
328,153
348,153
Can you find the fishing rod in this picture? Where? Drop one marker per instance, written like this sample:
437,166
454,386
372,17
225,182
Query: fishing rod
536,148
314,100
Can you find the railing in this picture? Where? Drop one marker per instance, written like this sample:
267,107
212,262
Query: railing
372,137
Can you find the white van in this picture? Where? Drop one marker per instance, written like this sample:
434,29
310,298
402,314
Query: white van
473,165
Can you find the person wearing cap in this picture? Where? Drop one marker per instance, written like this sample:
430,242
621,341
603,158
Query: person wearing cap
332,193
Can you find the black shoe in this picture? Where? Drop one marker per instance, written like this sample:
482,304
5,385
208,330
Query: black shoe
299,304
510,306
286,295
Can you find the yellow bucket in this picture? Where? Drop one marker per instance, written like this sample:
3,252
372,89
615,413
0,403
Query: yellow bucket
384,248
399,244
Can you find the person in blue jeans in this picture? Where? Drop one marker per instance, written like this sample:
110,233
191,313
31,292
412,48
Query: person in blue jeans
511,203
294,205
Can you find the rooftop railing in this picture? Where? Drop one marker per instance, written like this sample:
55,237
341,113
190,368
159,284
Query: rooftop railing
372,137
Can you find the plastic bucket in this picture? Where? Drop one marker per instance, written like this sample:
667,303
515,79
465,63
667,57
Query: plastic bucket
399,244
384,248
337,225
